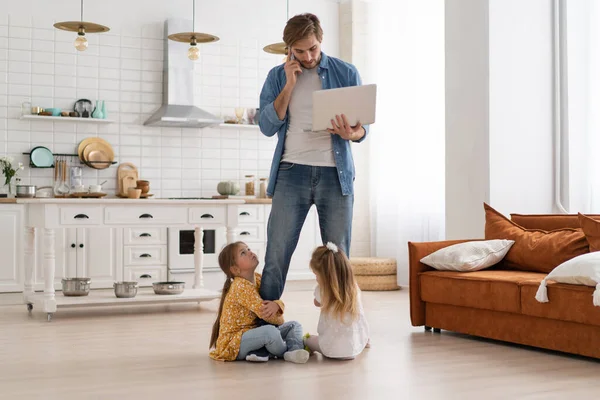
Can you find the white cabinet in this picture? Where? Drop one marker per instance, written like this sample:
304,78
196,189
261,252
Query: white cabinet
11,240
145,255
94,253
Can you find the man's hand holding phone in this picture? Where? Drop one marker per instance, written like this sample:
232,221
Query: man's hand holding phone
292,69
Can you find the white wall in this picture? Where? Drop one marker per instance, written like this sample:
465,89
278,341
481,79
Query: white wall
124,67
499,111
521,144
467,117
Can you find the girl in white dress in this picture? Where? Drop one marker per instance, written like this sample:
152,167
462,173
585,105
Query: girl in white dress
343,329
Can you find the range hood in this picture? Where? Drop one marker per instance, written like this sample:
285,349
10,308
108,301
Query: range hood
178,109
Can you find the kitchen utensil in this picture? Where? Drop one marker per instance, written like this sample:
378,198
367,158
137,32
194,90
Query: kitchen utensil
95,188
55,111
41,157
144,185
26,191
44,192
125,289
36,110
76,286
126,170
134,193
86,195
168,287
103,145
63,189
83,107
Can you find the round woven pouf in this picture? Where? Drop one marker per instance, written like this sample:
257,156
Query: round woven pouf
376,274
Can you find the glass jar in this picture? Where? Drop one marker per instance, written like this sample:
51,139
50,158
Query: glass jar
26,107
262,193
250,190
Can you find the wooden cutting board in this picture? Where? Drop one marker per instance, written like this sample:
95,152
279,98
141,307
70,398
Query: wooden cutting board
126,170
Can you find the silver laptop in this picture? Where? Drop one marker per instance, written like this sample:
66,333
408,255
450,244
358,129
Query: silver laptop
356,102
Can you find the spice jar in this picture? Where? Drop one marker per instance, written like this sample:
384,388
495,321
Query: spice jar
250,185
263,188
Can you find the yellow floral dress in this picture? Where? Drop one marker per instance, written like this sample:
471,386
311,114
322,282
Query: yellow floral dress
240,312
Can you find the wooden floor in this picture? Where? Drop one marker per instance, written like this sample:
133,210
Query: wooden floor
160,352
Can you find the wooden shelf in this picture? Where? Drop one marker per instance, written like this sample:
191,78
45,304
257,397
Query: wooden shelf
68,119
239,126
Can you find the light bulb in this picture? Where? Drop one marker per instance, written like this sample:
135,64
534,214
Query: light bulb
193,53
81,43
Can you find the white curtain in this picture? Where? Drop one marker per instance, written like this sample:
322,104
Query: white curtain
583,110
406,60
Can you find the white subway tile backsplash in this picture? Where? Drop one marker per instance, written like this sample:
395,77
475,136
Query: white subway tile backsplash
125,68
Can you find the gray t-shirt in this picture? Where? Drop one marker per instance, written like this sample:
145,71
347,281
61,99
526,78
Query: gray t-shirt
303,146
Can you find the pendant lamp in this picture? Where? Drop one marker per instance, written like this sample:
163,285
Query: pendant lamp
280,47
193,38
81,28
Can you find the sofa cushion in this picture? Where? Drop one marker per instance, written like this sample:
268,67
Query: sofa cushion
489,289
548,222
534,249
569,302
591,230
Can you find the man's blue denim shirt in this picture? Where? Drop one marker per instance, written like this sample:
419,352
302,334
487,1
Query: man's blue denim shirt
334,73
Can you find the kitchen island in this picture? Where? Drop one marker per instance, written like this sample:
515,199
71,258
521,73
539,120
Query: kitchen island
44,216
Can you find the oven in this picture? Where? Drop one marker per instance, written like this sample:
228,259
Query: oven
181,251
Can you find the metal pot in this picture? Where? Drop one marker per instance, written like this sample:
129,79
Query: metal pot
26,191
168,287
76,286
125,289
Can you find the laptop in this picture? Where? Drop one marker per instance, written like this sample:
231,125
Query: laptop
356,102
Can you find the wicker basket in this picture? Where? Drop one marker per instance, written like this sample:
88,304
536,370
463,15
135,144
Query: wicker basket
377,282
373,266
376,274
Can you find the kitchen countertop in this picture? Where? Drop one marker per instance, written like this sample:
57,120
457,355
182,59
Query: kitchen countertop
118,200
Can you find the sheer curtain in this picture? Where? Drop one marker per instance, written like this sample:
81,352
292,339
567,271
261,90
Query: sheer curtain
582,116
406,60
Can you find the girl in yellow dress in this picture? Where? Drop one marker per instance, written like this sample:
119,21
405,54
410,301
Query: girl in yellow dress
236,332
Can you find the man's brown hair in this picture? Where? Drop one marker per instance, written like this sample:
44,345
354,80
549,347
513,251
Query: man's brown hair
300,27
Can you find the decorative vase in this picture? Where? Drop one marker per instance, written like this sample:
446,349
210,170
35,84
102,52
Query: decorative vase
98,110
10,189
103,109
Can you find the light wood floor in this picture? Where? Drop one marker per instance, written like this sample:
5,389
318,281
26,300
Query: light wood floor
161,353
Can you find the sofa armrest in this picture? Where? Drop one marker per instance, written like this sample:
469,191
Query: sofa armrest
416,251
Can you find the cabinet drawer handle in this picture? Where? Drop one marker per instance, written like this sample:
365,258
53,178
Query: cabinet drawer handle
244,233
244,213
206,216
81,246
145,235
73,245
145,276
145,255
81,216
146,216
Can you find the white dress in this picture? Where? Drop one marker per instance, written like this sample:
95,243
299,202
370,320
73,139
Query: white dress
339,339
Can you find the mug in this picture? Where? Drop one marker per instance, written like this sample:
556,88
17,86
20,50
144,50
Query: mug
95,188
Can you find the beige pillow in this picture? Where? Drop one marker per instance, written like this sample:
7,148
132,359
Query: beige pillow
469,256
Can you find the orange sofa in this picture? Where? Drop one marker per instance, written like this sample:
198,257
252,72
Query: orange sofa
499,302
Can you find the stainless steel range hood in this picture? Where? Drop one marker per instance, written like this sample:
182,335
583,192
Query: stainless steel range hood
178,109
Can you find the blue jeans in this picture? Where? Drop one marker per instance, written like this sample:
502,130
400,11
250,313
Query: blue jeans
298,187
276,339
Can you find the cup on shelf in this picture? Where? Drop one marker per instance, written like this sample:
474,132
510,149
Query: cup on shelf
95,188
144,186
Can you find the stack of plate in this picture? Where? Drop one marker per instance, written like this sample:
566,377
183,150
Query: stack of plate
96,153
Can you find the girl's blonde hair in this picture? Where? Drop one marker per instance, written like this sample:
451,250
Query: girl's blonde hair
339,294
227,259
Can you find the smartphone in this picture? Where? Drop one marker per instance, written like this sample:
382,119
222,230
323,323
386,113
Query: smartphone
292,57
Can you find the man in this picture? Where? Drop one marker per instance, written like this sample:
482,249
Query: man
308,167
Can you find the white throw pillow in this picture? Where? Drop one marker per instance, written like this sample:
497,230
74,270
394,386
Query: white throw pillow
581,270
469,256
